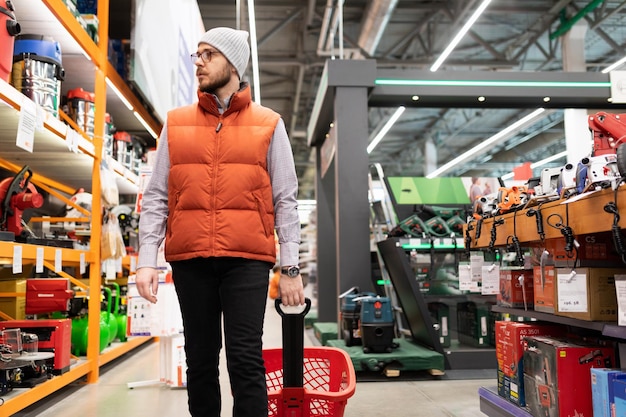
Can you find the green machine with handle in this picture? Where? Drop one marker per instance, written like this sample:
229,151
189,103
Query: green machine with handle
80,333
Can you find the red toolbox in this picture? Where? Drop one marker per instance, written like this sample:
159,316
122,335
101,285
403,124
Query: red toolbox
47,295
306,381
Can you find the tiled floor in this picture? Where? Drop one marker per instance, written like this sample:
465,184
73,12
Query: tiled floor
110,397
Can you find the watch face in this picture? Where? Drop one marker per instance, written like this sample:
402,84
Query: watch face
293,271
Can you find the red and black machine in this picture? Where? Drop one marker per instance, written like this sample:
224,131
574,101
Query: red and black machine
55,335
16,195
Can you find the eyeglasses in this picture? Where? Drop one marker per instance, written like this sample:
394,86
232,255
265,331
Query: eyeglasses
205,55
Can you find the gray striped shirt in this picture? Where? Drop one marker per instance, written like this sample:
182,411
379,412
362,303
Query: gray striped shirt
282,172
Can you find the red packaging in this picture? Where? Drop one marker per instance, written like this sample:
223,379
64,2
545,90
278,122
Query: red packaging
557,379
544,289
510,340
516,288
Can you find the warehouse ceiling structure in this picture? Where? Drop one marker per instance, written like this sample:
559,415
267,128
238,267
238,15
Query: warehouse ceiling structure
296,37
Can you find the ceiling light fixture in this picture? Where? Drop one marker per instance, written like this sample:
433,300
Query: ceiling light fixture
614,65
119,94
381,134
488,142
466,27
492,83
539,163
255,53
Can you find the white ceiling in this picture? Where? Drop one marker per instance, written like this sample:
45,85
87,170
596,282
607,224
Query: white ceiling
511,35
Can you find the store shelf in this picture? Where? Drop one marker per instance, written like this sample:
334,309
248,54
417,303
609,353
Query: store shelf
607,329
50,253
495,406
19,399
584,214
60,170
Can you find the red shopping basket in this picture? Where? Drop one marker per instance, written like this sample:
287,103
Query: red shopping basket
303,382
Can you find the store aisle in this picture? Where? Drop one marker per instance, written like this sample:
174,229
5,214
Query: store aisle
110,397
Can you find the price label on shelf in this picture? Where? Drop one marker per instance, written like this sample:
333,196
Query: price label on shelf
17,259
26,127
620,289
39,260
572,292
491,279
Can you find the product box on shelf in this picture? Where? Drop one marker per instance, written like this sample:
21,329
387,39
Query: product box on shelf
557,380
473,323
510,341
619,398
13,306
516,288
587,293
602,390
594,250
544,289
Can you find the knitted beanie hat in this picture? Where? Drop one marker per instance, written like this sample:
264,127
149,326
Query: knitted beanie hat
232,43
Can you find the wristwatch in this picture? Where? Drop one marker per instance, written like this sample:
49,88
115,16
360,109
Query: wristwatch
290,271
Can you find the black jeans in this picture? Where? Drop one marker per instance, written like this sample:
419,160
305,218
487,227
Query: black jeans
236,288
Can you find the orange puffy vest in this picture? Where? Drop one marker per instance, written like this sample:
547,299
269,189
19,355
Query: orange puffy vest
219,191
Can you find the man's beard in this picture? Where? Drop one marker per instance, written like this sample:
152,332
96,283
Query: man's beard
220,80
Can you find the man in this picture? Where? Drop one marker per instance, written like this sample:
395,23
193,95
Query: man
223,180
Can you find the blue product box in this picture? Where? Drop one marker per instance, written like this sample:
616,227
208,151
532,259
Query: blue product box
619,393
602,389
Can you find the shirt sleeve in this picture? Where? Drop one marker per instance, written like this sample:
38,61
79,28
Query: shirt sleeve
154,210
282,171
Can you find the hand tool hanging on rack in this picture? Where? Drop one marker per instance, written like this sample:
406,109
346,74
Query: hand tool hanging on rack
515,245
618,240
538,219
571,244
494,233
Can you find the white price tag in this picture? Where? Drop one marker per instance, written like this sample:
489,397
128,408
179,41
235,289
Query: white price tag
39,260
620,289
40,117
465,277
58,260
26,126
133,264
17,259
72,138
572,292
491,279
83,267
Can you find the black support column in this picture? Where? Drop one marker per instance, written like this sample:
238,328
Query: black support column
343,230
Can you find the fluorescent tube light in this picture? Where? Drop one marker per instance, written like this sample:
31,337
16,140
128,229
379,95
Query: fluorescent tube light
538,164
488,142
614,65
548,159
146,125
119,94
466,27
381,134
492,83
255,53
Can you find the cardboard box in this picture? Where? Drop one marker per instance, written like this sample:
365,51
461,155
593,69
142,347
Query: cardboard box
602,390
595,250
544,289
15,307
619,392
510,341
589,294
516,288
473,323
557,378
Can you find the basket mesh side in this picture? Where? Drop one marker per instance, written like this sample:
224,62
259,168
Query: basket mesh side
319,376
